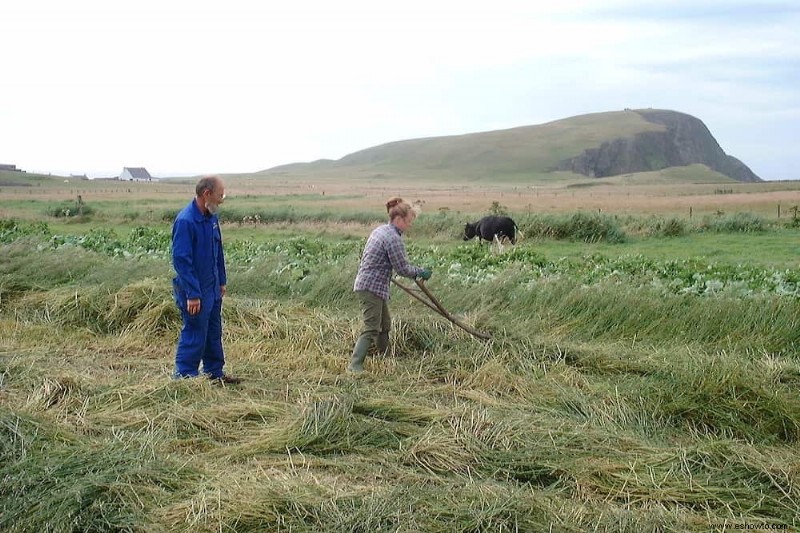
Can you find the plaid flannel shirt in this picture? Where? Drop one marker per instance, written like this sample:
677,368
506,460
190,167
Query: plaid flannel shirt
383,253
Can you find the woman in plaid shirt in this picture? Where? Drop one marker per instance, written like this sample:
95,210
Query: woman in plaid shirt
383,253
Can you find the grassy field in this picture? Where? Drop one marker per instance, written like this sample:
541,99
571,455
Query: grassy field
688,192
642,373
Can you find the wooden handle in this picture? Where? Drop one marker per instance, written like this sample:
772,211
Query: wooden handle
436,306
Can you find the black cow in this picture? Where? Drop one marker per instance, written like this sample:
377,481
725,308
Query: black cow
489,226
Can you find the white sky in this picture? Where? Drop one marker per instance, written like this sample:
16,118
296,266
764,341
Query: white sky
186,87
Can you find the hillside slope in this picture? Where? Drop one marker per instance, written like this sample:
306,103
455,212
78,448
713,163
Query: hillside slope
16,178
685,140
595,145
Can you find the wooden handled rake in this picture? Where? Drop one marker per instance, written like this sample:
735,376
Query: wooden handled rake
434,304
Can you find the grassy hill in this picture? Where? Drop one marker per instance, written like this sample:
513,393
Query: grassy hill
690,174
527,151
10,178
527,154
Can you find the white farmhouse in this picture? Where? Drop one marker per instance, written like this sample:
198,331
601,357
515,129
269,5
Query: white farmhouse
136,174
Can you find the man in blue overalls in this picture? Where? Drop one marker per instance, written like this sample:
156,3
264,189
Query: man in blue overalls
199,285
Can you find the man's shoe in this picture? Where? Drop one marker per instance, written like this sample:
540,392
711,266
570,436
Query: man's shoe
226,379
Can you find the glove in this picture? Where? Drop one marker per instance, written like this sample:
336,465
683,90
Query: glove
425,274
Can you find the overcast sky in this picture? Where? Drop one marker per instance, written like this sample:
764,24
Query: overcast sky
185,87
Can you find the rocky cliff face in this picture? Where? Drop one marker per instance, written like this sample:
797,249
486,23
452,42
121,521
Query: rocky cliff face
685,141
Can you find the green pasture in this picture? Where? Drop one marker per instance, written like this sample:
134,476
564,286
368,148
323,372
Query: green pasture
768,249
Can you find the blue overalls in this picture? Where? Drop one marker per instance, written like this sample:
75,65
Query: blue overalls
199,263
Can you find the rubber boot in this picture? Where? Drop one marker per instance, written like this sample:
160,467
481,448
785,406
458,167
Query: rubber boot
359,353
383,343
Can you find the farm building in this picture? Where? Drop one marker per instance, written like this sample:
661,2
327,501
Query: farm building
136,174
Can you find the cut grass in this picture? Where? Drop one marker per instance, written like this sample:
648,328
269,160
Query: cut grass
530,434
604,407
